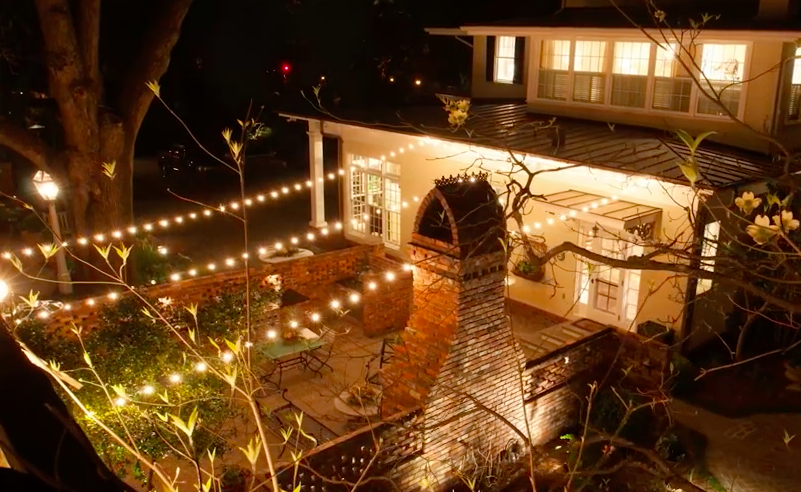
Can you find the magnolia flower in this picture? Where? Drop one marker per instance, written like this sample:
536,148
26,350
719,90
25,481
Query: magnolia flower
786,221
457,117
747,203
761,230
165,301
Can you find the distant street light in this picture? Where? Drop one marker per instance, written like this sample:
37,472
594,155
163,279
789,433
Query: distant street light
418,82
48,189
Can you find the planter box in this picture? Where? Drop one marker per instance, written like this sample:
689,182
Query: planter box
534,277
271,255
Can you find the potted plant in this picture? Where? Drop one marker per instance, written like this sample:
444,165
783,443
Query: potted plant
530,266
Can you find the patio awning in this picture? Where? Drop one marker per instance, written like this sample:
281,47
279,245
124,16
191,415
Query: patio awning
609,212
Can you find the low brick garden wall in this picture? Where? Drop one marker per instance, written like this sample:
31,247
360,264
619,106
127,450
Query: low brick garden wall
308,276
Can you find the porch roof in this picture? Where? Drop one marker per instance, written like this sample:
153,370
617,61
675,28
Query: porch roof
609,212
510,126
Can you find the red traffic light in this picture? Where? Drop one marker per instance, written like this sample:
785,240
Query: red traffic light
285,67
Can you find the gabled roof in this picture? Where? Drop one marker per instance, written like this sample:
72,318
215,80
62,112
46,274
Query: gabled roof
734,15
510,126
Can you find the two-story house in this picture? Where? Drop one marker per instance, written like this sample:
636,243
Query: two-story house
612,85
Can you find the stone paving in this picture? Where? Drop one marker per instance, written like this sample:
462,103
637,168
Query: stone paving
748,454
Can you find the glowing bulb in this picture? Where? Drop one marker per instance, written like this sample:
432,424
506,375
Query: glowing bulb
405,204
372,285
572,213
298,187
179,219
82,240
594,205
175,378
228,356
604,201
117,234
332,176
308,184
390,276
175,277
229,262
549,221
193,272
407,267
248,344
260,198
113,295
248,202
100,237
207,213
201,367
132,230
274,194
6,255
44,314
148,227
526,229
27,251
148,390
315,317
417,82
67,307
91,302
120,401
193,215
585,209
614,197
271,334
341,172
383,157
354,298
284,190
310,236
401,150
293,324
415,199
164,223
294,240
245,256
162,250
392,154
262,251
211,266
324,232
335,304
563,217
235,205
338,225
153,282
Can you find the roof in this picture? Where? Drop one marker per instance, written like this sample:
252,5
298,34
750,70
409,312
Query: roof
733,16
510,126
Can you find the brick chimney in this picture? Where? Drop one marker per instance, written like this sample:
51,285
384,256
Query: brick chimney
458,346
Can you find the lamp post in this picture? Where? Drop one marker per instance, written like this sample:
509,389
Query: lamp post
48,189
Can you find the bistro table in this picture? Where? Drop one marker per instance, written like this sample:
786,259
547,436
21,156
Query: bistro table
285,354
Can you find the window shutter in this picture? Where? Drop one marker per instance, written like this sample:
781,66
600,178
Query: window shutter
520,60
490,65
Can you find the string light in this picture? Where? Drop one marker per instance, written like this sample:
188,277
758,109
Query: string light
148,390
201,367
315,317
354,298
229,356
175,378
120,401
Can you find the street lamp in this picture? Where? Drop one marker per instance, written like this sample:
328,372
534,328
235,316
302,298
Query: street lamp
48,189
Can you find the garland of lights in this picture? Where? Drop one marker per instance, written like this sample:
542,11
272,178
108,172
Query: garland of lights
203,211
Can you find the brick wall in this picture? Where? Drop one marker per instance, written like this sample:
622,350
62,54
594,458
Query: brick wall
387,307
305,275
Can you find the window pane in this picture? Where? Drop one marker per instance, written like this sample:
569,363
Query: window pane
555,55
708,252
728,94
552,85
358,194
505,47
631,58
723,61
589,56
629,90
667,62
794,96
589,88
797,67
672,94
393,207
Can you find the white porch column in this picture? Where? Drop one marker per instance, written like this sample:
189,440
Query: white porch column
317,174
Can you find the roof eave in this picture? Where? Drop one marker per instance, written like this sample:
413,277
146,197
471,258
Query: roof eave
490,30
446,31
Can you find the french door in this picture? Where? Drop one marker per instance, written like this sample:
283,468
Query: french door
605,294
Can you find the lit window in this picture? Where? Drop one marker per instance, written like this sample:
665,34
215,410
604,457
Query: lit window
554,66
708,252
630,74
589,79
722,65
794,96
375,199
672,84
505,60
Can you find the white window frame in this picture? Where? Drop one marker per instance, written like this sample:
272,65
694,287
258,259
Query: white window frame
504,58
388,211
709,248
693,112
795,81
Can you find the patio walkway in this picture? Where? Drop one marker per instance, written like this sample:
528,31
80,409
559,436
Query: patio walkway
748,454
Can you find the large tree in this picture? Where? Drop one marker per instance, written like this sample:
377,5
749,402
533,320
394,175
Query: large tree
98,125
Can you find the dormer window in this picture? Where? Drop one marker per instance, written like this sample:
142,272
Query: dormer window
648,77
589,77
630,74
722,69
505,59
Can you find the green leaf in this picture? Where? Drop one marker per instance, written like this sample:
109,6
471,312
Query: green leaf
147,313
207,486
235,347
192,420
119,389
690,171
154,87
178,422
104,251
692,143
15,261
123,252
252,451
31,300
48,250
109,169
230,377
165,397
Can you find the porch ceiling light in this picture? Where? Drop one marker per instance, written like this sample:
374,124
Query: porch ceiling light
45,186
